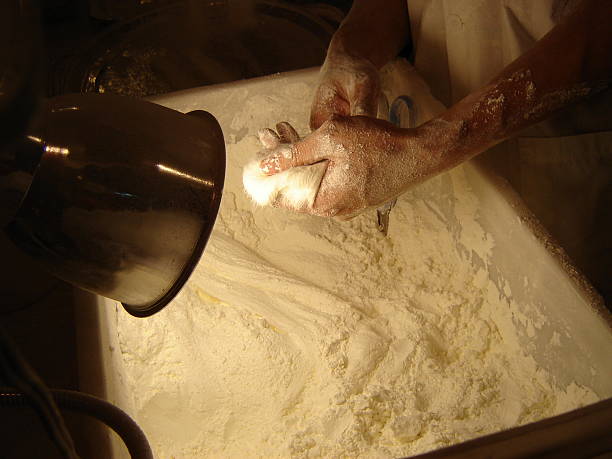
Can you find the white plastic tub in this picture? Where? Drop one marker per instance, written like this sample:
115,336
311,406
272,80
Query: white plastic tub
524,263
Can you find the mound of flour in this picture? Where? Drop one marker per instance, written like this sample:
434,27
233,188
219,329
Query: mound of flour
306,337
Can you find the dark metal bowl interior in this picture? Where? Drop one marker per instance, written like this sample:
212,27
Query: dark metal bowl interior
191,44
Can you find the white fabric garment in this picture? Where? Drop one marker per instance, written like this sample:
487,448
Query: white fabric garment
460,45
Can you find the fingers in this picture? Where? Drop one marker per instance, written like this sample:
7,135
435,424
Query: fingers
281,142
289,150
269,139
276,162
302,153
286,133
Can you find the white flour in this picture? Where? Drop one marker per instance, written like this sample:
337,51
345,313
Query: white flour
306,337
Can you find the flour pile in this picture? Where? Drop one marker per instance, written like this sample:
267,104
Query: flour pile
306,337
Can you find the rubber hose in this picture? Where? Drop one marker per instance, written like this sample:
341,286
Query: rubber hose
78,402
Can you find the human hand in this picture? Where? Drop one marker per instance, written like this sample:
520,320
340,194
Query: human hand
348,86
369,161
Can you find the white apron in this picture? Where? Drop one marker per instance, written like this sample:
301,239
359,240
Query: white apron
562,168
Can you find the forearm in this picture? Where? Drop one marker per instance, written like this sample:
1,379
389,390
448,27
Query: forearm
373,30
572,62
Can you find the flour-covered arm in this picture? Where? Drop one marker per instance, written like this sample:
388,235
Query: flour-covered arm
572,62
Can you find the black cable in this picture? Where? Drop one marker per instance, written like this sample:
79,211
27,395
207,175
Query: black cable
26,388
78,402
17,373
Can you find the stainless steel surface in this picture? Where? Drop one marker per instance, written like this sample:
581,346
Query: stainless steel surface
402,113
124,198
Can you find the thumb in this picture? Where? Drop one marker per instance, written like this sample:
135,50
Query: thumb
303,153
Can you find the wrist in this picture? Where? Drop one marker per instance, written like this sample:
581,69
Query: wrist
350,42
432,148
345,46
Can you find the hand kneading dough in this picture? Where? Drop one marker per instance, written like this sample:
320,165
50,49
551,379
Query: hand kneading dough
294,187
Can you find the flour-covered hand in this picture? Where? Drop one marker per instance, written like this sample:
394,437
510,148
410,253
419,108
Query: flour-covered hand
369,161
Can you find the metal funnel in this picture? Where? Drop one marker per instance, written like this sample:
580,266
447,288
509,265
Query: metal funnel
124,198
